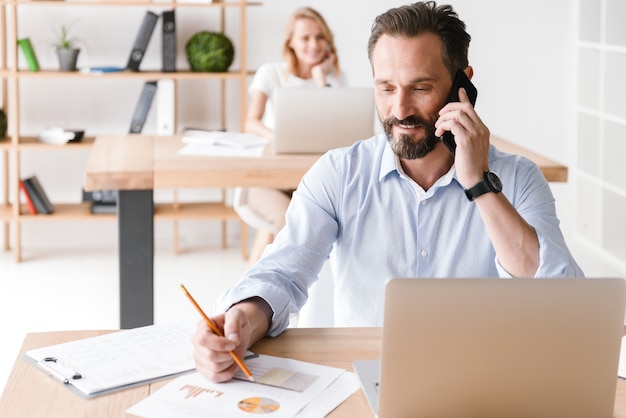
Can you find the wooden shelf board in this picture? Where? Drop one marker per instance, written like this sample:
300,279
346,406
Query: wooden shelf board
143,75
140,3
214,210
163,211
66,211
31,142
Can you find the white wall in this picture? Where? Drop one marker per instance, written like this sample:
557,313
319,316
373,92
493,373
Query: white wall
524,55
600,175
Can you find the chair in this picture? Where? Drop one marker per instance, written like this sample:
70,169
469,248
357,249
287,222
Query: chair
264,210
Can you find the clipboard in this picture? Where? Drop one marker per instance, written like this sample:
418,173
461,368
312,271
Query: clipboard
108,363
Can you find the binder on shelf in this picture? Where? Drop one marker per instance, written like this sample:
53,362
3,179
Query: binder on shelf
168,53
29,54
165,107
142,40
38,195
143,107
29,201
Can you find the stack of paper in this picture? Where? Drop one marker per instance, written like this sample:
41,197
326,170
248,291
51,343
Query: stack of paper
222,144
283,388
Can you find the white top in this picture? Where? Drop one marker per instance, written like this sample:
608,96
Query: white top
270,76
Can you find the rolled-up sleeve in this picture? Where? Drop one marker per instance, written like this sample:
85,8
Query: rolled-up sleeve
534,201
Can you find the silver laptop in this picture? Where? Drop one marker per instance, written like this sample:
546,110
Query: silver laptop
497,348
315,120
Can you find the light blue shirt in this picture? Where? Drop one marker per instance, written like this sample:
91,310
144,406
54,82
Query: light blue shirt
356,206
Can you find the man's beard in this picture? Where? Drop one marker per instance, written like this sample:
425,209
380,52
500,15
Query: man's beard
405,147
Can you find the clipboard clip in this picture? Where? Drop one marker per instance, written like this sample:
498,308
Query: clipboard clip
45,365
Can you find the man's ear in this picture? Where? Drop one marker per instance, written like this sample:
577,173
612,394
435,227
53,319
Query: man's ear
469,71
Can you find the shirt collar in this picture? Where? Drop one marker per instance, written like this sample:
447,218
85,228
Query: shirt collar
390,162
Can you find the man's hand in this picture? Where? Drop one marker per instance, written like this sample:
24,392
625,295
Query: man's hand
471,137
514,240
243,325
211,352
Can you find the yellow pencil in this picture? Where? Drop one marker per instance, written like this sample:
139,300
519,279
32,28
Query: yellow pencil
216,330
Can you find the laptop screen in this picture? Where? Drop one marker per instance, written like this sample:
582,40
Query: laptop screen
315,120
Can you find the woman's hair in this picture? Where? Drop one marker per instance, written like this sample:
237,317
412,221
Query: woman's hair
307,13
426,17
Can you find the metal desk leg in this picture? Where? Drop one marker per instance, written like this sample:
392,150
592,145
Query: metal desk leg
136,257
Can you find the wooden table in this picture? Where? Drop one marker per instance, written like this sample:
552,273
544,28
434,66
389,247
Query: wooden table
136,165
30,393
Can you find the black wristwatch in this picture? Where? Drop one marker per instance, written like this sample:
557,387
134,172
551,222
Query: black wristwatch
489,183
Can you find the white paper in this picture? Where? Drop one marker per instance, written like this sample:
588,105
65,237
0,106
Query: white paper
123,358
229,139
621,370
192,395
210,150
333,396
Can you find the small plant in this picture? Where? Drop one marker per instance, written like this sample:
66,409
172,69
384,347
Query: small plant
64,40
67,49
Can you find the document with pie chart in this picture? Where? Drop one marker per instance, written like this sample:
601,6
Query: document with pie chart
282,388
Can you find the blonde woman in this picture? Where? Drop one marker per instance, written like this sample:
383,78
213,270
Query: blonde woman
310,60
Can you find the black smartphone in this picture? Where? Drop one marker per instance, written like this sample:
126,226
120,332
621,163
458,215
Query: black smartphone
460,80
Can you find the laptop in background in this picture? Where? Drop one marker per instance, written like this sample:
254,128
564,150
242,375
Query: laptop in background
315,120
497,348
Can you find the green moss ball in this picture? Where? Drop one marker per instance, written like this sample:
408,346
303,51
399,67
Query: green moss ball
209,52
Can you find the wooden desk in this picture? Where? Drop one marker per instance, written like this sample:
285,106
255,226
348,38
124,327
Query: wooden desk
145,162
30,393
136,165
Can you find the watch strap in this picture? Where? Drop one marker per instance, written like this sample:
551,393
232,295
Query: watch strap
482,187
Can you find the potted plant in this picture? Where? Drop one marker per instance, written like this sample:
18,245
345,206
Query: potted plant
67,50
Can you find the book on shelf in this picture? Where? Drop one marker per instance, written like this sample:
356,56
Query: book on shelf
168,44
165,107
141,40
143,107
101,69
38,195
29,54
29,202
101,208
102,201
101,196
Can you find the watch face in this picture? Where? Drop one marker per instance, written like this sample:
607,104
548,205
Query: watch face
494,182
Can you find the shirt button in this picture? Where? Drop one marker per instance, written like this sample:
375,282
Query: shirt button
423,202
424,253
